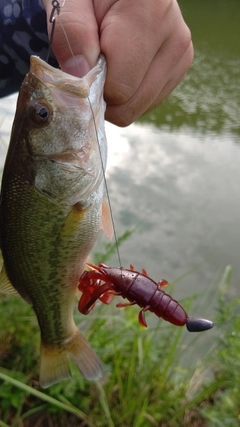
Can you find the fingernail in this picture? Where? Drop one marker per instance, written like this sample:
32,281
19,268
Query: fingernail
76,66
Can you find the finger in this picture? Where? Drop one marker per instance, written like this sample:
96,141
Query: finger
130,37
163,75
75,40
173,82
143,46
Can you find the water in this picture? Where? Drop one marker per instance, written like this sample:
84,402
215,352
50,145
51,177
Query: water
175,174
177,170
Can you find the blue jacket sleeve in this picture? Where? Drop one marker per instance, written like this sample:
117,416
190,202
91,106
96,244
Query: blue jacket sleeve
23,32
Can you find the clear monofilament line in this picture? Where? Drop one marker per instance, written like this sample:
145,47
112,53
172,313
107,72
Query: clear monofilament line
56,8
106,187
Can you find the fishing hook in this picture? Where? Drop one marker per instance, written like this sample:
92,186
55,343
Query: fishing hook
55,8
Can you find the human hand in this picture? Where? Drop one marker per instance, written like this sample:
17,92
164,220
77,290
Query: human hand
147,45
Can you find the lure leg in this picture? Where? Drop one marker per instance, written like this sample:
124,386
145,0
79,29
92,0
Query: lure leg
141,316
107,297
162,283
144,272
125,304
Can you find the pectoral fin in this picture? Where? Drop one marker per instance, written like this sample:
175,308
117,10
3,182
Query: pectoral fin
107,225
6,286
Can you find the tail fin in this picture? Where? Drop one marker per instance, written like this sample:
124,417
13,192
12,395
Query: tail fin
54,364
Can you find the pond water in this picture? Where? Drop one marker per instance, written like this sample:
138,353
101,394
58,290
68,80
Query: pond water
175,174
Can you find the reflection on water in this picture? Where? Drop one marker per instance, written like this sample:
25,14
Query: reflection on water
184,188
209,97
176,172
204,101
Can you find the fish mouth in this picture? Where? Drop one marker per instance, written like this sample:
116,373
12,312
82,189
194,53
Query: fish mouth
54,77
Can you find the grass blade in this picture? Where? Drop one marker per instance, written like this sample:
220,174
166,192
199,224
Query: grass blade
104,404
43,396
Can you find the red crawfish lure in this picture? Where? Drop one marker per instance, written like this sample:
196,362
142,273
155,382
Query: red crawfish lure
103,282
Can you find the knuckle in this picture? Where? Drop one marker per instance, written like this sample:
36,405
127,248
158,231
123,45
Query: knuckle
121,117
182,49
118,93
184,40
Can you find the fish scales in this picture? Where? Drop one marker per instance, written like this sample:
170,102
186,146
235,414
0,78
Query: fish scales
51,206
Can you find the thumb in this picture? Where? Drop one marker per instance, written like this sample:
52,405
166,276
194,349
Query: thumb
75,40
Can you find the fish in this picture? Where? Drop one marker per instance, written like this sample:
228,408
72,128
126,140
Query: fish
52,206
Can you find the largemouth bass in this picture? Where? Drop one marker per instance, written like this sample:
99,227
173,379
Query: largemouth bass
51,206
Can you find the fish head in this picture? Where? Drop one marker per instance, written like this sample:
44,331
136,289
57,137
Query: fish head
62,130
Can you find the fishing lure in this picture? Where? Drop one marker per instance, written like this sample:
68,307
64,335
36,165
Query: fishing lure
139,289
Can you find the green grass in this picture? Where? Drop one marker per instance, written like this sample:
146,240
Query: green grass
145,380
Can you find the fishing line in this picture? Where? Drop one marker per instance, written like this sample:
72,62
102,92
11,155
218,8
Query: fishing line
106,186
56,8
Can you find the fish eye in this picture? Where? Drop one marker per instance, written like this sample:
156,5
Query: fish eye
40,112
43,113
